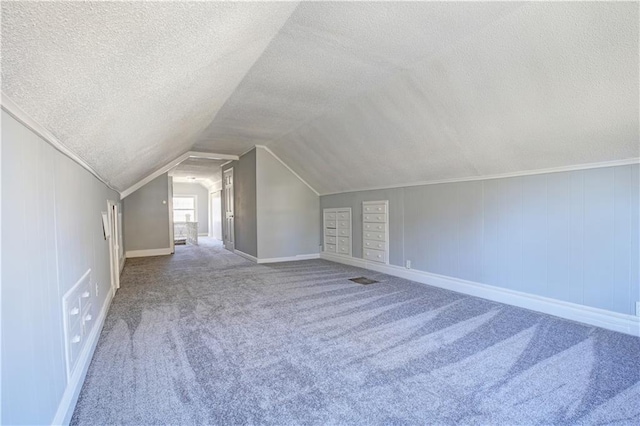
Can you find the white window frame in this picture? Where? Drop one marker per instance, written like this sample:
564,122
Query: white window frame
195,205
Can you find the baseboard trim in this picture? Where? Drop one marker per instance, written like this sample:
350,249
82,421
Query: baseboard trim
623,323
72,391
245,255
290,258
146,253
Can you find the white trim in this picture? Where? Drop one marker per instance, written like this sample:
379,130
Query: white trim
572,168
245,255
172,241
74,385
203,234
224,164
122,261
248,151
289,168
150,252
32,124
623,323
171,164
290,258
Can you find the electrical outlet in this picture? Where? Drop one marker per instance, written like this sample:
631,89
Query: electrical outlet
408,264
638,309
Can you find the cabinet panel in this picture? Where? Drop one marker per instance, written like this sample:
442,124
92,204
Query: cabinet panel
375,255
375,217
376,227
376,245
337,231
344,232
377,236
374,208
375,231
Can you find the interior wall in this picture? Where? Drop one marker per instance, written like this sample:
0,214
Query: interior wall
51,235
287,211
146,216
202,202
245,216
571,236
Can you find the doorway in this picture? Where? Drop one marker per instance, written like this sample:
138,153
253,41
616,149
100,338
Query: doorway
227,190
113,238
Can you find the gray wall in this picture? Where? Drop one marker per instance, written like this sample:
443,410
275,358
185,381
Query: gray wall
51,235
146,217
244,181
202,195
288,214
572,236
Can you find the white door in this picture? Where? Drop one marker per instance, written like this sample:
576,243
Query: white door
114,245
227,184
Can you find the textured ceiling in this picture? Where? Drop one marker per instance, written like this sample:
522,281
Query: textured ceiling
349,95
205,171
128,85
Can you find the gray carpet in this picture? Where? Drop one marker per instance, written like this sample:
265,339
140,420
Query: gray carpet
206,337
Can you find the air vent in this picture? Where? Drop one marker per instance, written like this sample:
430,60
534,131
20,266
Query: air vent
363,280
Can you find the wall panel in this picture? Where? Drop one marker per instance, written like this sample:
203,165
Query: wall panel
572,236
51,235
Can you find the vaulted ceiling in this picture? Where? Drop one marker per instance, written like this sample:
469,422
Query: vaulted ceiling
350,95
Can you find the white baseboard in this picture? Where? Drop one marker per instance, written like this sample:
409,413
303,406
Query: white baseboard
290,258
277,259
72,392
145,253
615,321
245,255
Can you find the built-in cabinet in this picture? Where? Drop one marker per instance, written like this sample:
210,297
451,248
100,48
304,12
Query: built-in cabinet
375,231
337,231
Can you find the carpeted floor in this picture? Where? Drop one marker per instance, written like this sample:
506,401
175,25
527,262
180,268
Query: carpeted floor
206,337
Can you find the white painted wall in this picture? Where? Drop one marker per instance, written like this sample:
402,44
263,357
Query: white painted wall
51,235
287,211
202,202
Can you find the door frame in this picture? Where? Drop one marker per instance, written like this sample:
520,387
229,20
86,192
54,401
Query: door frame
172,244
113,241
228,244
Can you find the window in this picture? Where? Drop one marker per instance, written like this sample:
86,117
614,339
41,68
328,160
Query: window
184,209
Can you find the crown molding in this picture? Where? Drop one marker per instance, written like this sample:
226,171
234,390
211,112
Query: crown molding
576,167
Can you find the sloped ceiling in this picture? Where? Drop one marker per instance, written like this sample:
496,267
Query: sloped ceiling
349,95
204,171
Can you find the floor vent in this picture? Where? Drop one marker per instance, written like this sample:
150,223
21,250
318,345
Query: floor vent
363,280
